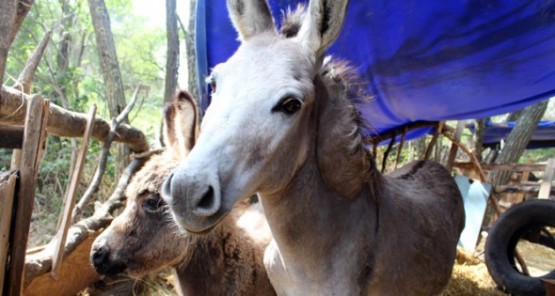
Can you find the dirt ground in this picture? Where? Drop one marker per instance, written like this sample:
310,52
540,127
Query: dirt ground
539,260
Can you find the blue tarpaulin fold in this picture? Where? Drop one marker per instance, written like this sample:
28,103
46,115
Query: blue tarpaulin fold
425,60
543,137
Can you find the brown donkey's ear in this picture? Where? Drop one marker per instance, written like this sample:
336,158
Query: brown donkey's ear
180,130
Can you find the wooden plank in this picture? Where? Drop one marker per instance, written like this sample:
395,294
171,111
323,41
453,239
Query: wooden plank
76,273
42,141
16,159
11,137
25,196
533,167
545,188
519,188
7,190
69,201
519,197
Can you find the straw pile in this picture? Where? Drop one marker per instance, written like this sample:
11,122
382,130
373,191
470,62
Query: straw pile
471,278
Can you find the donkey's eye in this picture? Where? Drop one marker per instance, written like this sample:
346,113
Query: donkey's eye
212,84
152,204
289,105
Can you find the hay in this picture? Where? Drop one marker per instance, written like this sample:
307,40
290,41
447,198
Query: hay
156,284
471,278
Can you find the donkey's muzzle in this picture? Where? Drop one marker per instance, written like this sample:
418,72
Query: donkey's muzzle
194,199
104,264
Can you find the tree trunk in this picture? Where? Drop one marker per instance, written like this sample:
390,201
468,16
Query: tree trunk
515,145
109,66
515,115
12,14
62,63
517,140
7,15
62,57
478,138
191,52
172,59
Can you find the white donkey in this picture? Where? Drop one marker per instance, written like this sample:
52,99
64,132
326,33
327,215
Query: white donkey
284,123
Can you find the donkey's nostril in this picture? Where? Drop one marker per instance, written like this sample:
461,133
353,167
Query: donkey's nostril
207,201
99,256
103,264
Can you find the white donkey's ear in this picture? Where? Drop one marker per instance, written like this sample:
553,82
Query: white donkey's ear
180,128
250,17
322,25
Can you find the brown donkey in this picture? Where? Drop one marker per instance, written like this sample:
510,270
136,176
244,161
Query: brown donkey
144,237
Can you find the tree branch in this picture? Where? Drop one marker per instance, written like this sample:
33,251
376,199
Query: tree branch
26,77
23,7
93,186
67,123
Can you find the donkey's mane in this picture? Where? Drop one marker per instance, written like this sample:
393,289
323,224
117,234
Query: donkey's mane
342,74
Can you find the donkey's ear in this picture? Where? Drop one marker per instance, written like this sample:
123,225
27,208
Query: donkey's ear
180,129
322,25
250,17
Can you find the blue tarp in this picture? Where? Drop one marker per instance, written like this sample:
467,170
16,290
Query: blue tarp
426,60
543,137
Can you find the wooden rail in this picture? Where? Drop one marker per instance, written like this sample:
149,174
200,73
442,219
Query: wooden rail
11,137
536,167
67,123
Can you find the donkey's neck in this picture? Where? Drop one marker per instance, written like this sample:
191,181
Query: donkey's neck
324,220
318,246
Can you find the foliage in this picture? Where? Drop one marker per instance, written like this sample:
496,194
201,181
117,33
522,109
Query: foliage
69,75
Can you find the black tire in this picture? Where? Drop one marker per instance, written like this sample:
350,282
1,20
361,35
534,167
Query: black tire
502,240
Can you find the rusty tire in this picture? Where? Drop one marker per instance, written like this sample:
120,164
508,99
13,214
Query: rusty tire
503,238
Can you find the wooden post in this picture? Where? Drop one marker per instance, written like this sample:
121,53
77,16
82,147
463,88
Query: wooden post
454,147
7,190
25,196
545,188
439,130
400,148
386,153
69,201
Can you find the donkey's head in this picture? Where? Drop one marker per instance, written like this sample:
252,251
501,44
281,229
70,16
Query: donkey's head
263,121
144,237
